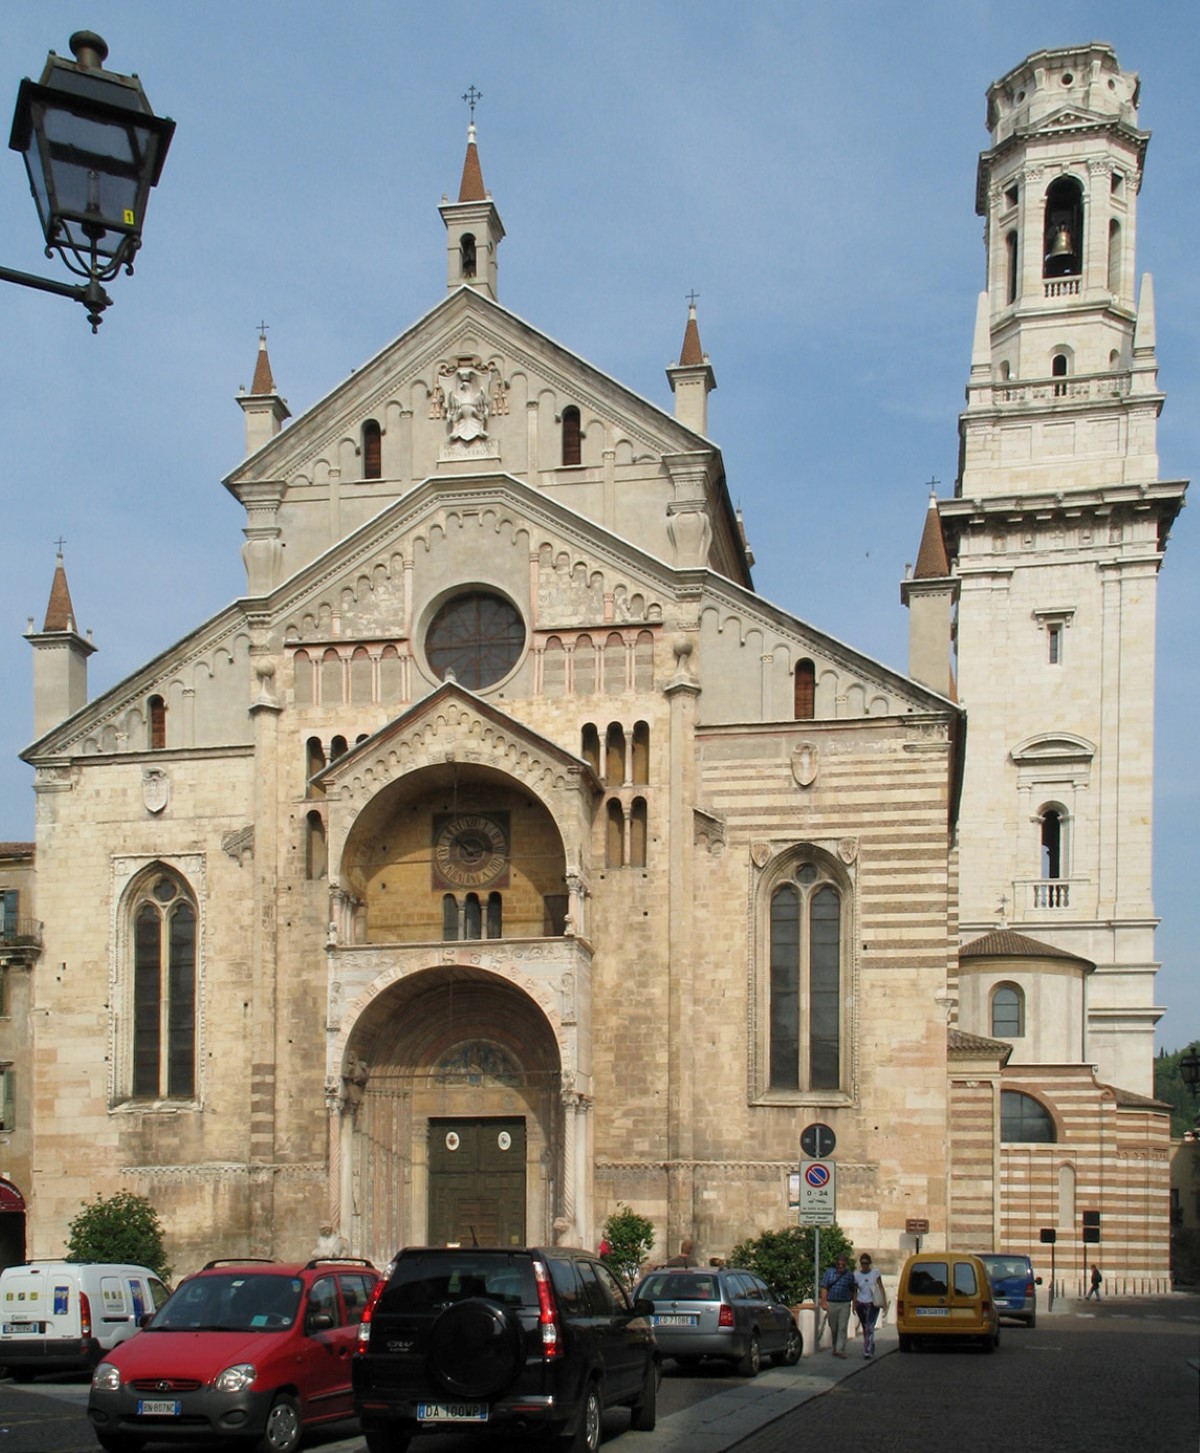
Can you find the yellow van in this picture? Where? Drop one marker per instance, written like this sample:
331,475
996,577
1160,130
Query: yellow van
946,1294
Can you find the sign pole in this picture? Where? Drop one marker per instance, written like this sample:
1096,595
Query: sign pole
816,1288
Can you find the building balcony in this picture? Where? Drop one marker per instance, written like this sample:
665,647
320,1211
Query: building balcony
23,933
1044,896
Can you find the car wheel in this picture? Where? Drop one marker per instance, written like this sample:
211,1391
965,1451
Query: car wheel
1031,1322
645,1410
119,1443
284,1428
751,1360
794,1349
21,1374
476,1349
689,1364
586,1437
381,1440
906,1342
990,1343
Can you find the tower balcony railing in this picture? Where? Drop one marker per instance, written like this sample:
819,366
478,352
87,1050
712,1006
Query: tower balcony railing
1074,388
1048,895
1061,287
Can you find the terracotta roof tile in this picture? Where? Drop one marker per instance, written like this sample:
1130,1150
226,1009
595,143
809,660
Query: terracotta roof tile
60,614
691,352
932,561
1004,943
470,189
959,1042
264,382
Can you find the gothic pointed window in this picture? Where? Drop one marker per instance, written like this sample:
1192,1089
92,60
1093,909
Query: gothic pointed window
806,974
372,450
163,989
572,445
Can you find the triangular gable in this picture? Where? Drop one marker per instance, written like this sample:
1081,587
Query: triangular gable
430,340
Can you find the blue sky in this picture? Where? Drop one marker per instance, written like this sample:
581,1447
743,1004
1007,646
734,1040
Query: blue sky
808,169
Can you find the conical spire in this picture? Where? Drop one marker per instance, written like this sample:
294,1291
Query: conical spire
932,560
691,352
60,613
470,189
264,381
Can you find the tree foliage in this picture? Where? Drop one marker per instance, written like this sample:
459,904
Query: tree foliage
630,1238
123,1227
1169,1086
784,1259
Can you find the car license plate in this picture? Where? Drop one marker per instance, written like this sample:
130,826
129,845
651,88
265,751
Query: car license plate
22,1329
452,1412
158,1408
674,1319
933,1311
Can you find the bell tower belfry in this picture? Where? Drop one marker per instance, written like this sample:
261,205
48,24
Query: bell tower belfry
1056,534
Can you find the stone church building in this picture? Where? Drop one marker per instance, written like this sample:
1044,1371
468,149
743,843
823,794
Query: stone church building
502,857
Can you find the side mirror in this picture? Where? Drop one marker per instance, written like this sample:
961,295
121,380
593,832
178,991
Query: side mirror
318,1322
145,1319
1037,1281
643,1307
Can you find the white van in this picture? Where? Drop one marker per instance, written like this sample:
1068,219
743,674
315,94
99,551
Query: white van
64,1315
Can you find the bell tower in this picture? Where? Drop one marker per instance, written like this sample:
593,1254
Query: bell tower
1056,534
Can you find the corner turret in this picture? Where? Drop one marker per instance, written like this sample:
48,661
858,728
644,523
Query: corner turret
60,656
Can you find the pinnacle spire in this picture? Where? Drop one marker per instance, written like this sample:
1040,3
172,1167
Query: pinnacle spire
60,613
264,381
471,189
932,561
691,352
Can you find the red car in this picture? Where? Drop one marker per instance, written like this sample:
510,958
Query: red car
243,1350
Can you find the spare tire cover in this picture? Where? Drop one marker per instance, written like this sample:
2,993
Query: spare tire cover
476,1349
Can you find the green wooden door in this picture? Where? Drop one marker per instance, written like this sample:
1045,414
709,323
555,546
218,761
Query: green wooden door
477,1182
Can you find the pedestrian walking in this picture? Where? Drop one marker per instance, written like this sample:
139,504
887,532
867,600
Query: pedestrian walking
1094,1289
870,1299
837,1293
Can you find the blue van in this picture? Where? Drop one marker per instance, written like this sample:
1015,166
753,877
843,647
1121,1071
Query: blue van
1014,1285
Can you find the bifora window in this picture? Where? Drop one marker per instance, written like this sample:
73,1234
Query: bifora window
478,636
164,991
806,982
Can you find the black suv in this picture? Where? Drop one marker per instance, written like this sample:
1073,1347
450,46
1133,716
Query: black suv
540,1339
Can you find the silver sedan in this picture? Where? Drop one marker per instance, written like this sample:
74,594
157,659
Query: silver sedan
720,1312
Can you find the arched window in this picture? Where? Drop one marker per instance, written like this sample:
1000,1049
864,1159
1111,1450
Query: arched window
495,915
361,676
554,668
314,761
572,440
614,665
637,833
643,662
472,917
590,747
449,918
391,675
163,923
641,753
302,678
585,666
805,691
316,853
331,678
372,450
157,709
1022,1118
337,748
1008,1012
1063,230
614,754
614,840
1059,367
1114,256
1054,843
1010,267
466,252
806,941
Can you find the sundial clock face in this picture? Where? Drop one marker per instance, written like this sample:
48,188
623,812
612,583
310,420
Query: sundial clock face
470,850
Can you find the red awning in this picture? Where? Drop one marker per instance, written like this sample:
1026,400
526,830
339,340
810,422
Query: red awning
11,1199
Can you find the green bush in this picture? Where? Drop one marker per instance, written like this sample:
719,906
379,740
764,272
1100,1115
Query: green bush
629,1238
784,1259
123,1227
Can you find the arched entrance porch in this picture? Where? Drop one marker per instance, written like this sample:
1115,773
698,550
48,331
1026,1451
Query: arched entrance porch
453,1118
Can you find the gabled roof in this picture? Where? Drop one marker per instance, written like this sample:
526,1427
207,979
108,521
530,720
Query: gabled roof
497,327
961,1045
449,691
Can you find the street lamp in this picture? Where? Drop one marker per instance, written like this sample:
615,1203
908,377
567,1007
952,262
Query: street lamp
93,148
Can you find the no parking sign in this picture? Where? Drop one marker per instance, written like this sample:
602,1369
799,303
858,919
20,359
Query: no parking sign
818,1193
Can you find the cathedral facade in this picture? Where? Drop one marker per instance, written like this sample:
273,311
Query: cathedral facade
502,857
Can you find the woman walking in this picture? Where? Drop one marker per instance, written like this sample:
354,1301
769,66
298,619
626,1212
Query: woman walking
870,1299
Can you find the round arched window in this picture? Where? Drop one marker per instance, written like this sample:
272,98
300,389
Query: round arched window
479,636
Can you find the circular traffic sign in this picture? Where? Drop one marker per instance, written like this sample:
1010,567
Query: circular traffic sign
817,1175
817,1141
